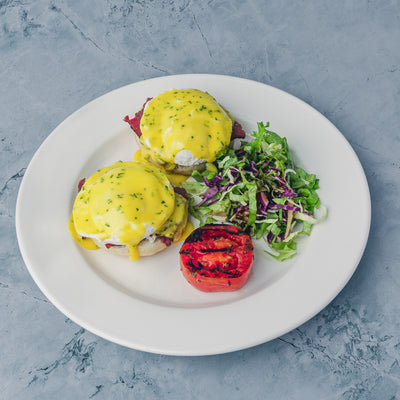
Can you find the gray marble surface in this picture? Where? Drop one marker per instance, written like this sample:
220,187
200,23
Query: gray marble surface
343,58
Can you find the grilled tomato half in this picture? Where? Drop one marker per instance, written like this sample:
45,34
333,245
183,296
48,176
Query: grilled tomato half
217,258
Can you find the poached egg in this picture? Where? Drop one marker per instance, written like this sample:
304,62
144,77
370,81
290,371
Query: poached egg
184,127
124,204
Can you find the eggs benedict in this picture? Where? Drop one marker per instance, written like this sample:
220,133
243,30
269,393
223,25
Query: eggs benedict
128,208
182,130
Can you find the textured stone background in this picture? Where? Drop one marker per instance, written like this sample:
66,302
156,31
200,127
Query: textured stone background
343,58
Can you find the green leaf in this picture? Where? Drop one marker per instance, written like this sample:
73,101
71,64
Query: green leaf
284,250
252,192
194,187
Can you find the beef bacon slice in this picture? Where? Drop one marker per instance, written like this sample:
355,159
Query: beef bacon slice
181,191
81,183
135,121
237,131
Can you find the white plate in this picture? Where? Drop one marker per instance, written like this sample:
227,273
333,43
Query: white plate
148,305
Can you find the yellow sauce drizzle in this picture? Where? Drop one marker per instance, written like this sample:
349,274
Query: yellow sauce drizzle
86,243
134,253
175,179
186,232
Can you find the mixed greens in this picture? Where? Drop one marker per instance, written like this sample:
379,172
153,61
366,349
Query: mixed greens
258,188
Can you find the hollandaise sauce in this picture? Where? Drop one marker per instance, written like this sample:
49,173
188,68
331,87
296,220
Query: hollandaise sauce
84,242
123,204
175,179
189,228
179,120
175,221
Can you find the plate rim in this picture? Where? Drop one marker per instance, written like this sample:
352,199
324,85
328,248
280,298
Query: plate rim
93,329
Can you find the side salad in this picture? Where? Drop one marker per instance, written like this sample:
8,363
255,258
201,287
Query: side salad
258,188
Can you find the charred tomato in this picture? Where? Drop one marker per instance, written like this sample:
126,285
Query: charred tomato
217,258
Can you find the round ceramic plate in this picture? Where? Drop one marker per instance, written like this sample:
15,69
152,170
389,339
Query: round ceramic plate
148,305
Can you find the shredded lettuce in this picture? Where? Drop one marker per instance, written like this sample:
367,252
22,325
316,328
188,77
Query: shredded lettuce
258,188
